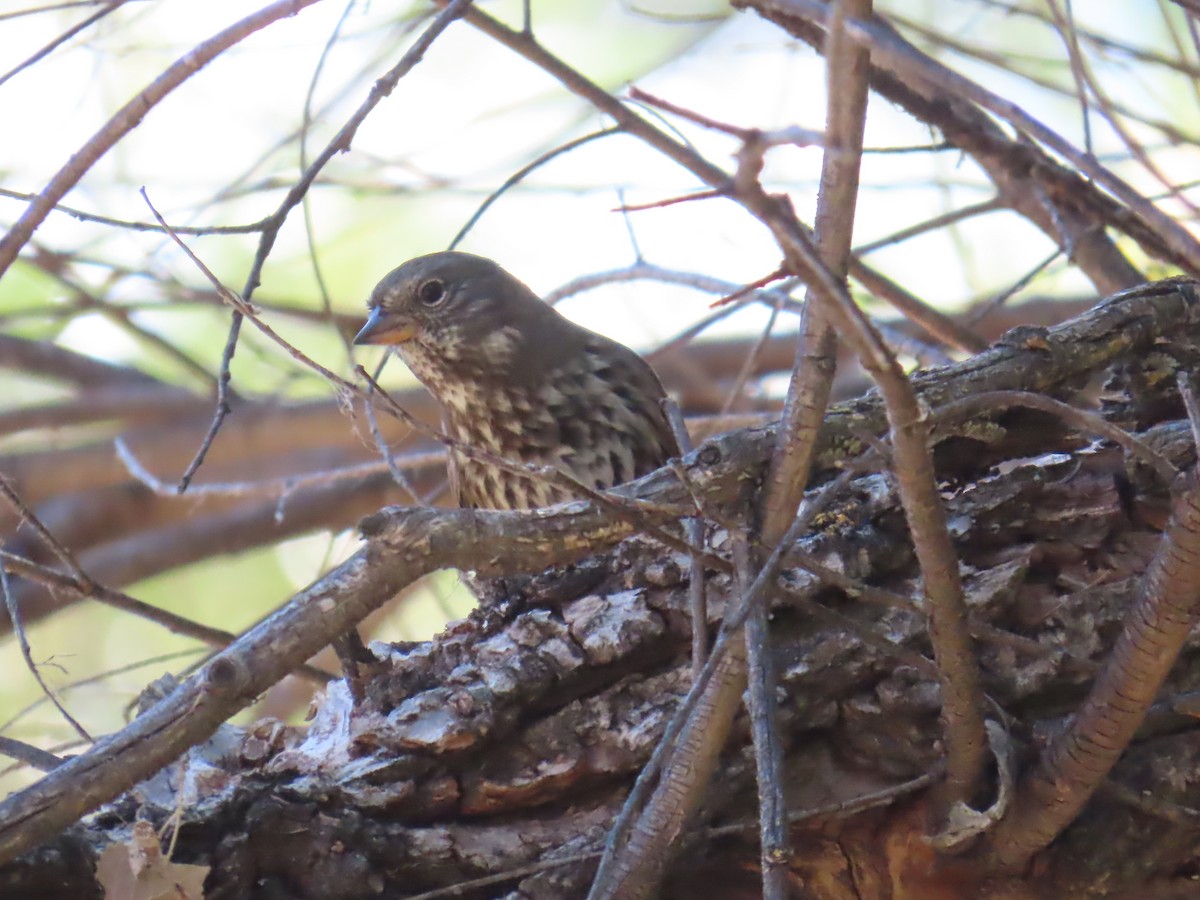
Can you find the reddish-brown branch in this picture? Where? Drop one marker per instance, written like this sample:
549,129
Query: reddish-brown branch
946,329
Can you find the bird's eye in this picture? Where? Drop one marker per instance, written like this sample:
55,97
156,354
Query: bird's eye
431,292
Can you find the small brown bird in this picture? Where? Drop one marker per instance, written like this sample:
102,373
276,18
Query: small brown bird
515,378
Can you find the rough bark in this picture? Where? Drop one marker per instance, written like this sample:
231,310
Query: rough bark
510,740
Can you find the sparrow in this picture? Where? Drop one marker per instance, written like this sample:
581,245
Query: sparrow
517,379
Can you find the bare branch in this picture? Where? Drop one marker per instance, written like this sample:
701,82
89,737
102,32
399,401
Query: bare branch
131,114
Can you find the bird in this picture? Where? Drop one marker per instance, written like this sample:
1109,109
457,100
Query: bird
517,379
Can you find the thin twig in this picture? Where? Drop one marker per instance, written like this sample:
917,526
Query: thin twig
694,531
97,679
950,217
32,756
91,590
774,847
128,225
30,518
270,486
130,116
338,144
1184,382
674,770
519,176
384,449
14,617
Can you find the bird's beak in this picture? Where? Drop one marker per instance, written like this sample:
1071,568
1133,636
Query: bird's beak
386,328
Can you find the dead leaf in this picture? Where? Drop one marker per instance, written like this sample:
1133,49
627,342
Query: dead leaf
139,871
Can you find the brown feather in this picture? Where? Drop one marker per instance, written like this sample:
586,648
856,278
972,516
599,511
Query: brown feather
515,378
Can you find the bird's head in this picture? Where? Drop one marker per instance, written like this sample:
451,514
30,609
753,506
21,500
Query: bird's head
454,307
